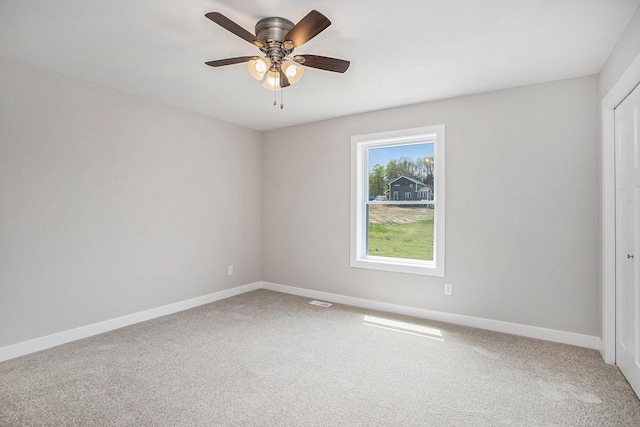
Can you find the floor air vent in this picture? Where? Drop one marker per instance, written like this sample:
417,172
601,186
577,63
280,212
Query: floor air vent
320,303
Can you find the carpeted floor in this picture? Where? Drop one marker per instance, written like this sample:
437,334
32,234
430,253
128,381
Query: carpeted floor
271,359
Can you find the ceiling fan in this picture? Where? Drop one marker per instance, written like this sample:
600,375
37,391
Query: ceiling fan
277,38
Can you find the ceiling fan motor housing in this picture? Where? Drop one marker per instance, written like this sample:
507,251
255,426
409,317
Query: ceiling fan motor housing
271,31
273,28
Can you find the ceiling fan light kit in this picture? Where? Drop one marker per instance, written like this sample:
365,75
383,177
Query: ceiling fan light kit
259,67
277,38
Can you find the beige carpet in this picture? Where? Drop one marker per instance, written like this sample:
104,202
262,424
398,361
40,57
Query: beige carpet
270,359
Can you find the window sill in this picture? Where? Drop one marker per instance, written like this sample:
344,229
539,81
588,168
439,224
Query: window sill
397,265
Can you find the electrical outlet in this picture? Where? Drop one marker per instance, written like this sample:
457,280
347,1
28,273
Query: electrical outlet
448,289
230,270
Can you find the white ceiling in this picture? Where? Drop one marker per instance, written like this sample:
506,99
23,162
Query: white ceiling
401,52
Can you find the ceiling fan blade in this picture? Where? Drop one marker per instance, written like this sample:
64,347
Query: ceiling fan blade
325,63
236,29
284,80
308,27
231,61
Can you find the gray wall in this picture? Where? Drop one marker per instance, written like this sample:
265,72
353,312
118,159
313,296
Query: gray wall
522,185
111,204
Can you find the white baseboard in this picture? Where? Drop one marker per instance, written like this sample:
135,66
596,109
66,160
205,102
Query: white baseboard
42,343
571,338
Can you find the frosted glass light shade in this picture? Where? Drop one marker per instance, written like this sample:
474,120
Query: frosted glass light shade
257,67
272,81
292,70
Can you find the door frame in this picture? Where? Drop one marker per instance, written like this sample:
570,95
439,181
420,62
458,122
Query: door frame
623,87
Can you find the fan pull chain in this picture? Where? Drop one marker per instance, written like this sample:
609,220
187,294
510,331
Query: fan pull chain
274,95
281,97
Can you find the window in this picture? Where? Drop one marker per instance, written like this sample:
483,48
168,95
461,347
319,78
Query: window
403,234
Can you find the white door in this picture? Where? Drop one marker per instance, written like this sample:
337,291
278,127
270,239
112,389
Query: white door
627,137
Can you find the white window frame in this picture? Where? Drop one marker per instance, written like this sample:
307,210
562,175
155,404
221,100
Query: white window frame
360,144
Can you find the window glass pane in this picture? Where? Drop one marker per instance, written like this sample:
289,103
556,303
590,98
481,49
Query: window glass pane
400,231
401,172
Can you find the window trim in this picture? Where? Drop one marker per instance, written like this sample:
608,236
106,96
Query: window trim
359,192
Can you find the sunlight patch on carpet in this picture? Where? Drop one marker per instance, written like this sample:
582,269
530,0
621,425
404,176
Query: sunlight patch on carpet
404,327
321,303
